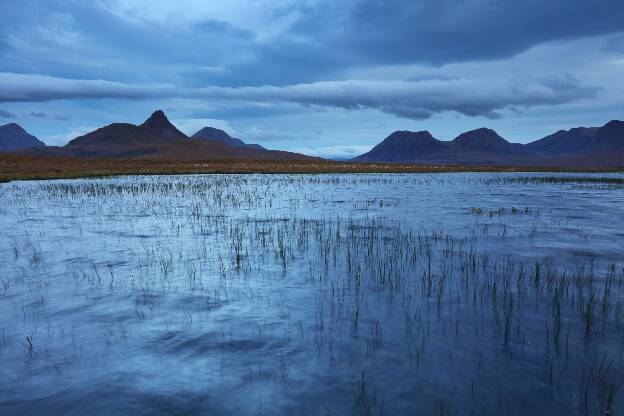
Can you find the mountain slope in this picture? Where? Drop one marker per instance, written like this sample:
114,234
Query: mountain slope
210,133
406,146
485,146
160,125
563,142
582,141
610,137
13,137
156,138
481,146
578,147
487,140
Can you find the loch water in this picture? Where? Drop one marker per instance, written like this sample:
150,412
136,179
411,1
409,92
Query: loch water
415,294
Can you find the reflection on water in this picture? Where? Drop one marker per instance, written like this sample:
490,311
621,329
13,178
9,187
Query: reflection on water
313,294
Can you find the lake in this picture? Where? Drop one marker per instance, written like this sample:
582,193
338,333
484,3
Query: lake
415,294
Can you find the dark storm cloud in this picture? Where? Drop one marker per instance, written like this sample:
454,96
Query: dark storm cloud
90,50
326,39
433,31
331,38
78,39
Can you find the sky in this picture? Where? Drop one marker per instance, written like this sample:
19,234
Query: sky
329,78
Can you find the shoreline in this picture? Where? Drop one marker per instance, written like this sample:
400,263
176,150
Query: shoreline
15,167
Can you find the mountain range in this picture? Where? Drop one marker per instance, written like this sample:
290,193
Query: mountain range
157,138
577,147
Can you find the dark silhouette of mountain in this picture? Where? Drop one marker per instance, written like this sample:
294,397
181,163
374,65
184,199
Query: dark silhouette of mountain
156,138
406,146
564,142
610,137
578,147
160,125
481,146
484,139
13,137
582,141
210,133
126,140
485,146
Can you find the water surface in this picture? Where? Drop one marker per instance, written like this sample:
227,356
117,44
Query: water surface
313,294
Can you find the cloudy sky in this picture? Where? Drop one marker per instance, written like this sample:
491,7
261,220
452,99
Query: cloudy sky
325,77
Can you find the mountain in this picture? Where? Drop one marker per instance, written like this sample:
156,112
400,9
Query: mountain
485,146
210,133
160,125
610,137
406,146
127,140
481,146
13,137
577,147
582,141
156,138
484,139
564,142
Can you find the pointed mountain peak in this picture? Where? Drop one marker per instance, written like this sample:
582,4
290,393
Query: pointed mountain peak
159,122
158,119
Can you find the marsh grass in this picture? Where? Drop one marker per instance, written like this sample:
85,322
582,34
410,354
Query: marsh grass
291,289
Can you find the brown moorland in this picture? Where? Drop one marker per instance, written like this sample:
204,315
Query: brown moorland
17,167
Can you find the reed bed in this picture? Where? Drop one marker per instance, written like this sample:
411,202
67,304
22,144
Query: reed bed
321,293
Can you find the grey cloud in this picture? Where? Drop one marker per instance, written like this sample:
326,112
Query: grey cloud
438,32
615,44
78,39
36,88
408,99
6,114
417,99
327,39
41,114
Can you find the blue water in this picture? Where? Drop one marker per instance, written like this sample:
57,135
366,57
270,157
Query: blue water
312,294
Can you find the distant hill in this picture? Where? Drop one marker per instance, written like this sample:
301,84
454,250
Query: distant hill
13,137
481,146
210,133
156,138
582,140
405,147
578,147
